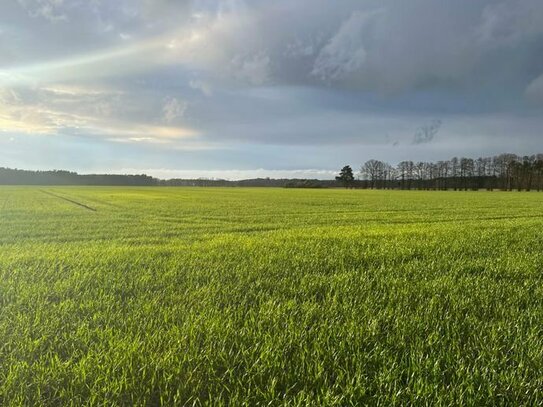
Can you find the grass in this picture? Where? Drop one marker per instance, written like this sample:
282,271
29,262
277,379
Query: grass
158,296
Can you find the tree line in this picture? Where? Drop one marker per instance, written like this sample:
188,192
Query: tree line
10,176
505,172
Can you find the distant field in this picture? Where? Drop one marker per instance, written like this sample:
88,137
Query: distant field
149,296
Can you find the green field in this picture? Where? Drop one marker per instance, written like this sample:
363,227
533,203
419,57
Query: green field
150,296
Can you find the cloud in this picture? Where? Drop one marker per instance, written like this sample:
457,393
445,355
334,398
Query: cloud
372,46
345,52
299,49
51,10
254,69
427,133
534,91
202,86
173,109
136,132
378,46
86,112
508,23
278,77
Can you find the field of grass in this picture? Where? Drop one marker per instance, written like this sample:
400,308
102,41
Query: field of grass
159,296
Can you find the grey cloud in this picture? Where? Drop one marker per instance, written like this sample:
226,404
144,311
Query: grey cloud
173,109
202,86
395,46
384,46
507,23
254,69
298,49
345,53
49,9
427,133
534,91
402,46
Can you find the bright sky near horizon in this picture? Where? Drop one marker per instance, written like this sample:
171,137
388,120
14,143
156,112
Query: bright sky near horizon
244,88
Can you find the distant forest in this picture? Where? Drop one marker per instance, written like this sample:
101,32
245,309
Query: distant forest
10,176
504,172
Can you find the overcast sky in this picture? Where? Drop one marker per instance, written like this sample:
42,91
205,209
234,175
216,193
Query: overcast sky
243,88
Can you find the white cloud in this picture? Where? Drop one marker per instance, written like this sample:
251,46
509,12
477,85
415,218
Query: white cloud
254,69
299,49
49,9
203,86
62,109
173,109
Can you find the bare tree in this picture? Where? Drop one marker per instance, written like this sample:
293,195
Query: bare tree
372,171
506,171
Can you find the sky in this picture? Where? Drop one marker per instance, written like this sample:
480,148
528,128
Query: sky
256,88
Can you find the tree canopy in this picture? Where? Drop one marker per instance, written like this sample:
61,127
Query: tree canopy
346,176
